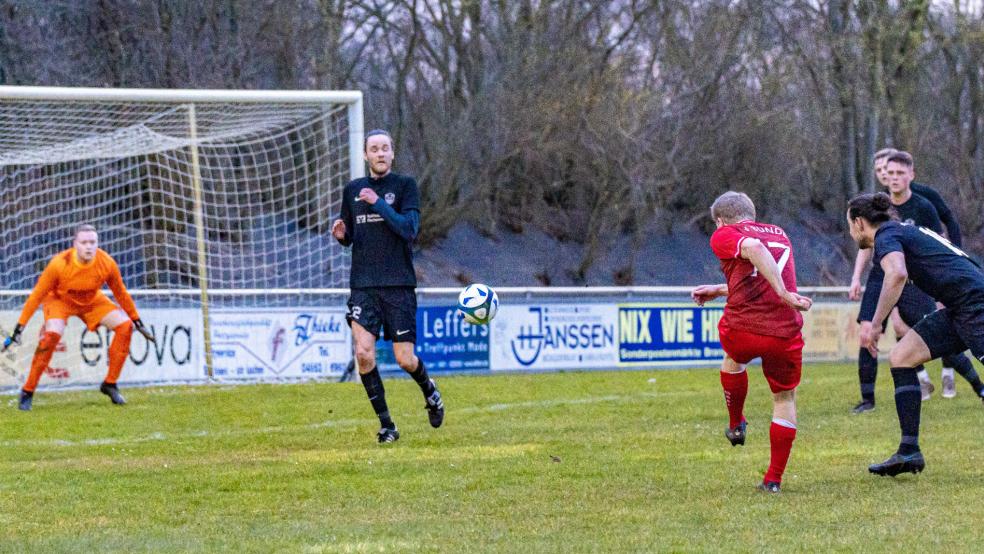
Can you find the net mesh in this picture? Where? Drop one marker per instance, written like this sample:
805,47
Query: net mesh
271,177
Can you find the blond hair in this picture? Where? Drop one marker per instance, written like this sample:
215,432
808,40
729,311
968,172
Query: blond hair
83,228
733,207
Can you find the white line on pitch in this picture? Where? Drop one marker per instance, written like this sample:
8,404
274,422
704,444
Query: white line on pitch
159,436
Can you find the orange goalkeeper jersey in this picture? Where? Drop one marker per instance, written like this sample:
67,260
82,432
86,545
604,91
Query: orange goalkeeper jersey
69,280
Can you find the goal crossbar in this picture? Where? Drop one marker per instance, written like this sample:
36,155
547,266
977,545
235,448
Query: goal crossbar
92,94
352,98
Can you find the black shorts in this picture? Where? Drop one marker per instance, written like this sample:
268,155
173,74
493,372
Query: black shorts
392,308
951,331
913,305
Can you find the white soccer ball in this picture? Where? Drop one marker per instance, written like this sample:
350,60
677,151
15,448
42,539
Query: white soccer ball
478,304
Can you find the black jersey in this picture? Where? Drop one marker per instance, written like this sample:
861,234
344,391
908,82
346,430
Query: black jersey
919,211
946,216
914,211
934,265
382,234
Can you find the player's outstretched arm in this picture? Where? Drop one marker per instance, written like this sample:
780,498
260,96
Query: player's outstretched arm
706,293
893,277
14,338
872,290
340,231
896,275
46,283
142,329
754,251
126,302
342,227
405,224
860,263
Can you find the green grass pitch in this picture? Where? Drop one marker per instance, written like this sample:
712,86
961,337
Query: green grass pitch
558,462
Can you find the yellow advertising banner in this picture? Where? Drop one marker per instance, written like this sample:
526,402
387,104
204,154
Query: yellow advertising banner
830,331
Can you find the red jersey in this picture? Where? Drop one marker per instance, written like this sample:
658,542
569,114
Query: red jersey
752,304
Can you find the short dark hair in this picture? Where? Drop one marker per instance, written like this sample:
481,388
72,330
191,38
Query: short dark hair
375,133
901,157
733,207
83,228
877,208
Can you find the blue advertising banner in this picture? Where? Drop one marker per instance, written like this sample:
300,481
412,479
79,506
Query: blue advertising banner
657,333
445,342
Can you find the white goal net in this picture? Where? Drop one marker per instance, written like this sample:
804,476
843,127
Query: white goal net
208,200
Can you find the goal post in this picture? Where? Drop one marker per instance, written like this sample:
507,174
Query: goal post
206,192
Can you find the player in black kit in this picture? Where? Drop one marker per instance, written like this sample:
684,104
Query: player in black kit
895,171
380,220
943,271
949,221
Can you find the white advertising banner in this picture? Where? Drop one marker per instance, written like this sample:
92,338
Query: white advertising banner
280,343
176,355
81,356
554,336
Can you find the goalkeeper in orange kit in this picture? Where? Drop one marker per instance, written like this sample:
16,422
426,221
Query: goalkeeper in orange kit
71,286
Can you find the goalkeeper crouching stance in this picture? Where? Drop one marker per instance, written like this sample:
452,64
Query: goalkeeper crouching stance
71,286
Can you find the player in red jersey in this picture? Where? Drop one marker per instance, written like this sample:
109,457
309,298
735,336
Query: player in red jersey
761,320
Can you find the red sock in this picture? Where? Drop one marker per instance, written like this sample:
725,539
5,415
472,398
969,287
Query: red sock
118,350
782,433
735,387
42,357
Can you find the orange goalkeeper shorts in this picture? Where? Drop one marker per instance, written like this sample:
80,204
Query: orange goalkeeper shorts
91,313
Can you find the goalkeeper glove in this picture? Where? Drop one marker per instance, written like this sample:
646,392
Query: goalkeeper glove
14,337
139,325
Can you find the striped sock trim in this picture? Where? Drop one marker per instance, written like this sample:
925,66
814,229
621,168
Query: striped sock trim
784,423
910,440
908,388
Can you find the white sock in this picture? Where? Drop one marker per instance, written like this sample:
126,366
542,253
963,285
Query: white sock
923,376
947,372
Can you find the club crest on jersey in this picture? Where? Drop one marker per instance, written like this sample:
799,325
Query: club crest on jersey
390,198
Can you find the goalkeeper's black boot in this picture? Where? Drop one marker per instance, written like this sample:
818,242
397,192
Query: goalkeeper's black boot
897,463
386,434
435,407
110,390
736,435
25,400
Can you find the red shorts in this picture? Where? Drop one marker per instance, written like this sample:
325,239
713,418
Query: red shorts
782,358
92,313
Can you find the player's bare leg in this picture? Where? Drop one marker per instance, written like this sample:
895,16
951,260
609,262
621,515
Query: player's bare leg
782,433
734,381
905,357
53,331
404,354
119,349
365,359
